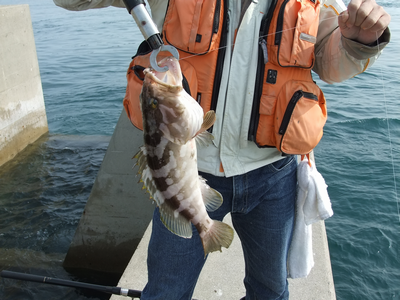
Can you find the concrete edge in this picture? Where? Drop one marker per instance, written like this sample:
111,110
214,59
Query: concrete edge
222,276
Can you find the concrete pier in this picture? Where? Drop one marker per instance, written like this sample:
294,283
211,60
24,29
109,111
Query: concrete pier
223,273
22,110
117,212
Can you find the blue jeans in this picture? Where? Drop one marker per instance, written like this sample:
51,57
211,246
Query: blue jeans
262,204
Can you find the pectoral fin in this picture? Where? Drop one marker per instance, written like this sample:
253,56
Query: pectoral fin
212,198
204,139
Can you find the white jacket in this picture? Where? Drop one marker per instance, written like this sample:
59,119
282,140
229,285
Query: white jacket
337,59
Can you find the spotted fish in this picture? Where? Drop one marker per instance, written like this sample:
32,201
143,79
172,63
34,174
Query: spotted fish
167,162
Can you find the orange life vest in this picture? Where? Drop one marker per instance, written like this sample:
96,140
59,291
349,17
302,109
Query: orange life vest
198,30
289,109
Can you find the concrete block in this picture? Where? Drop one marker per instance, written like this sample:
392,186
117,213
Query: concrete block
117,212
22,110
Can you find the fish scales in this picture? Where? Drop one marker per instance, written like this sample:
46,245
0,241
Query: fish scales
168,160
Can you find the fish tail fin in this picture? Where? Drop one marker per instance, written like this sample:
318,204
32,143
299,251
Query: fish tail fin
219,235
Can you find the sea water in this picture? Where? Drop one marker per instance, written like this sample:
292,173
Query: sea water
83,58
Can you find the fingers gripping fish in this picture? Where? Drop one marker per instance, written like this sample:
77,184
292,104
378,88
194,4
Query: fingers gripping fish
168,160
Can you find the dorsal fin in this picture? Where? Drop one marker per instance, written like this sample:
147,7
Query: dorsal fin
146,177
175,222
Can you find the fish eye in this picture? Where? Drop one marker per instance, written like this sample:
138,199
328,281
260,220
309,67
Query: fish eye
153,103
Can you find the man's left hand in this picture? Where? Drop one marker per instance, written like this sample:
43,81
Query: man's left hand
364,21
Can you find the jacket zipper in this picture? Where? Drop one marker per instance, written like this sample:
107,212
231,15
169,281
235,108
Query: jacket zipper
310,96
216,16
185,84
220,58
291,106
255,110
262,60
279,23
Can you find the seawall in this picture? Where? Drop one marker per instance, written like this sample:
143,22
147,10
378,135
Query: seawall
22,111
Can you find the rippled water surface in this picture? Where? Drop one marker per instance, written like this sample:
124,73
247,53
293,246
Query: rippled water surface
83,57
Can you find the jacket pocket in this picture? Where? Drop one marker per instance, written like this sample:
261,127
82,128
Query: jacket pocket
292,120
299,118
193,26
294,34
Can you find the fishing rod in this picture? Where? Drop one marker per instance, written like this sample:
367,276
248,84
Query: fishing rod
100,288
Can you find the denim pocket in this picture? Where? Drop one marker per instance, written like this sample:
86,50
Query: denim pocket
282,163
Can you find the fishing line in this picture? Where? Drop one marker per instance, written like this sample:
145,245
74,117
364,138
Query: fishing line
389,137
261,36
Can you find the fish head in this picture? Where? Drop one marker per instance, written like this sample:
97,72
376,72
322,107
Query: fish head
167,109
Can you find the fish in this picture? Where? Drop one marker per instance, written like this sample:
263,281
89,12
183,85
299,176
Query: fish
167,162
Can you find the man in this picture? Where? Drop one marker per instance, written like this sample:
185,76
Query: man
258,184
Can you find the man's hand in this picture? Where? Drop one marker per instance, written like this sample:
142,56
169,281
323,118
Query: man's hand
364,21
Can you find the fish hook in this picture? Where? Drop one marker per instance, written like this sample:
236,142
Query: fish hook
153,57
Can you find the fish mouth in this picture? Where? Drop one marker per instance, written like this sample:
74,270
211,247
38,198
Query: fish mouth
172,77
